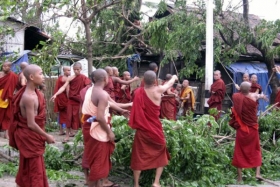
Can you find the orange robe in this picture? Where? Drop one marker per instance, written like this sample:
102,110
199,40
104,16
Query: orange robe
31,145
7,87
188,104
60,103
74,100
109,88
216,99
247,151
149,134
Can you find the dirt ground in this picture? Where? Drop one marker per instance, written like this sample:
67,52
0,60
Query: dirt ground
9,181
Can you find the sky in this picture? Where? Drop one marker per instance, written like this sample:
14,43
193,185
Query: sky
265,9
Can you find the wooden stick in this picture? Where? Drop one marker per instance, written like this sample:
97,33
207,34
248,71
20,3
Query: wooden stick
267,110
7,157
228,73
268,82
176,71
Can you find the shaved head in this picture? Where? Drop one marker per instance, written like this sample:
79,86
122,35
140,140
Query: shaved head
126,73
115,71
217,75
66,68
149,78
99,75
153,67
245,77
7,63
185,83
109,70
245,87
77,64
31,70
254,78
23,65
168,77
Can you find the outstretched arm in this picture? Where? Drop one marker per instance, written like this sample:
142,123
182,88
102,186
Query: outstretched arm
62,88
118,105
168,84
117,79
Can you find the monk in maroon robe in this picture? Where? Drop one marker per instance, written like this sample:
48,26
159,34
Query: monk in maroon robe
277,99
27,132
218,90
60,103
76,83
255,87
8,82
149,134
168,107
247,151
125,96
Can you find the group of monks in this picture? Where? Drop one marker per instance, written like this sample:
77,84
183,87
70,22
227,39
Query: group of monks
90,102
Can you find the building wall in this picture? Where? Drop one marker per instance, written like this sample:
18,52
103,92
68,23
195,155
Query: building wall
12,42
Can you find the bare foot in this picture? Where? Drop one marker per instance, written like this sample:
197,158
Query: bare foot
6,135
156,185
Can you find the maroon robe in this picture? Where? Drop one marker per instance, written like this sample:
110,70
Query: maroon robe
277,99
149,134
216,99
60,103
168,107
31,145
19,86
109,88
117,91
254,87
73,105
8,84
247,151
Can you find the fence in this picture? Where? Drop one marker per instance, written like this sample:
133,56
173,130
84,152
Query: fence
50,84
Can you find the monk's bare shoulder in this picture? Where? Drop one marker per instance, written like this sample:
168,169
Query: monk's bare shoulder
2,74
64,79
70,78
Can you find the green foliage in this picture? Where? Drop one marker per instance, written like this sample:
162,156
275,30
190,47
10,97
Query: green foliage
9,168
196,158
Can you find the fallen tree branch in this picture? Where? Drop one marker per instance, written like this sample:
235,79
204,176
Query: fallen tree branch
267,110
7,157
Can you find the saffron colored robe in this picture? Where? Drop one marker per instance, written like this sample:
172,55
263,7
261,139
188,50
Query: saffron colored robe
8,85
60,103
73,105
216,99
188,104
247,151
96,153
31,145
109,88
149,146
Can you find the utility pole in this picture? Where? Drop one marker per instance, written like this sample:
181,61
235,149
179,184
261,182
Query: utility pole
209,58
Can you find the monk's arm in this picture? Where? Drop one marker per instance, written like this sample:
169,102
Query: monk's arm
100,117
123,87
62,88
168,84
186,97
22,80
29,103
118,106
257,91
168,91
116,79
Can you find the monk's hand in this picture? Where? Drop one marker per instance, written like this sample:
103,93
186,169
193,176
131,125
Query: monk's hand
175,77
237,87
125,113
111,136
50,139
53,98
136,78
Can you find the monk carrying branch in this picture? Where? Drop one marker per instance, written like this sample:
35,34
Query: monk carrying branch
149,134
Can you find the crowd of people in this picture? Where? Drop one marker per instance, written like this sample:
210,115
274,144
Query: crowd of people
89,103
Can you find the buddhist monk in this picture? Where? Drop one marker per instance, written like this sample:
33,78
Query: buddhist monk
117,85
244,78
149,134
21,78
187,98
60,103
76,83
125,96
247,151
27,132
217,90
153,67
178,89
168,107
8,83
255,87
109,88
277,99
98,136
